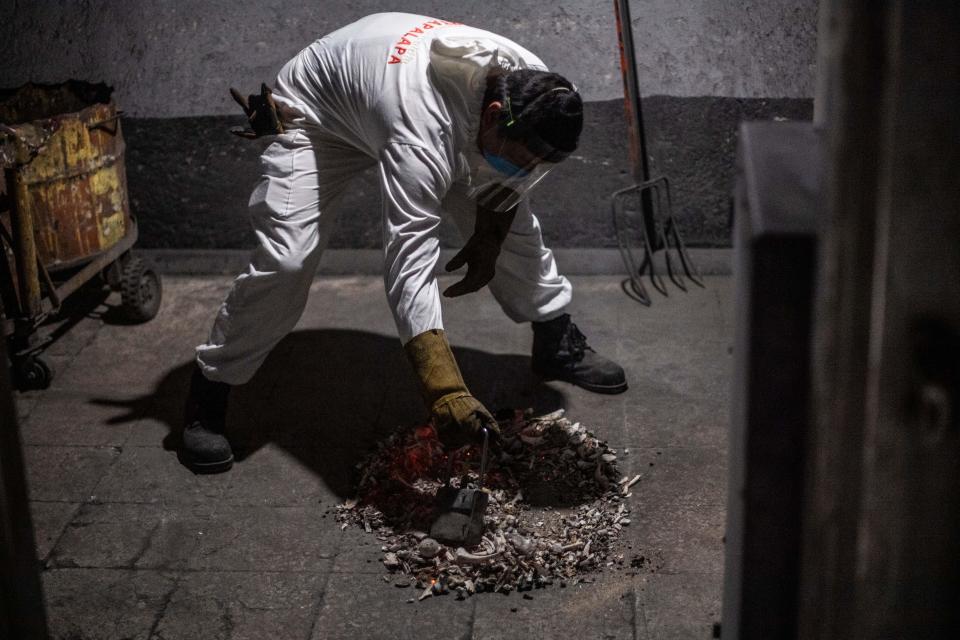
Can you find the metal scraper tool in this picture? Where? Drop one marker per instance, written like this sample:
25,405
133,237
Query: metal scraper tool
460,512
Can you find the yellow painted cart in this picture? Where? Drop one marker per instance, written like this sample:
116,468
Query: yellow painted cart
64,214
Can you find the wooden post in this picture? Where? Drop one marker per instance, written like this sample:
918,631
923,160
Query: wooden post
778,195
882,520
842,318
21,597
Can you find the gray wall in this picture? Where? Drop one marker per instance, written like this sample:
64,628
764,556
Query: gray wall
706,64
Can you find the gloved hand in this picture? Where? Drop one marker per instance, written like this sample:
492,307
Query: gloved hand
457,415
481,251
261,111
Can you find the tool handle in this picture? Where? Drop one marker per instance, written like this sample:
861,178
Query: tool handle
483,457
632,101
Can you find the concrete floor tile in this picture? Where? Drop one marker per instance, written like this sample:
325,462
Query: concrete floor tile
169,335
146,411
477,322
66,474
710,306
349,302
676,537
98,367
275,477
366,607
73,330
695,368
24,402
464,311
49,521
675,421
128,358
601,414
682,475
254,539
153,475
500,336
185,318
58,364
120,535
603,610
359,553
105,604
73,419
678,606
218,605
152,430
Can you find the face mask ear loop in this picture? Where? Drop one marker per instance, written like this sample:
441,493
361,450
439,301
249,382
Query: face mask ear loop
511,121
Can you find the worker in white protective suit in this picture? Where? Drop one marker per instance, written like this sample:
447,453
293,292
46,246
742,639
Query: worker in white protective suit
458,121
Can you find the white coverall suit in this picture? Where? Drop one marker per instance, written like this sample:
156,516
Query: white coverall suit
403,93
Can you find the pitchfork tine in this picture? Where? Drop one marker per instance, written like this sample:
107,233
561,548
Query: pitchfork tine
668,235
649,243
689,267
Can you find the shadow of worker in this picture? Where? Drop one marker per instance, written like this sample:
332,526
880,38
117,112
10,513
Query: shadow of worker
327,396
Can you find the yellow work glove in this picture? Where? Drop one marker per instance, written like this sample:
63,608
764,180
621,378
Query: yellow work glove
457,415
481,251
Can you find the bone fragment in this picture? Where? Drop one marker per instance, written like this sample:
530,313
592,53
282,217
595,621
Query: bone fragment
465,557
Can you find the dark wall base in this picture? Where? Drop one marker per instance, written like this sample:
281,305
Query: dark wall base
189,179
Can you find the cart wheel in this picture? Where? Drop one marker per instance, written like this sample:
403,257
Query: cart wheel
32,373
140,291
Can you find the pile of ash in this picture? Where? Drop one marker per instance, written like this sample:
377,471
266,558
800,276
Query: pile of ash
557,505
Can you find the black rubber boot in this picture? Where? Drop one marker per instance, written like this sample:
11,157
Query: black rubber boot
561,352
204,447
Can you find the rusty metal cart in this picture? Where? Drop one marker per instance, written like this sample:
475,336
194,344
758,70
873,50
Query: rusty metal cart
64,215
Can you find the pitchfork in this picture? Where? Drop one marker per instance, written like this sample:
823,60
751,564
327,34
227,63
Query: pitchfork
657,227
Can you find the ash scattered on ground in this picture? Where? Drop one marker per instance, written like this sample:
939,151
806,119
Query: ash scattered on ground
557,506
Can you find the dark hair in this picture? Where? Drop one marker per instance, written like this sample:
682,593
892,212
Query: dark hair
542,103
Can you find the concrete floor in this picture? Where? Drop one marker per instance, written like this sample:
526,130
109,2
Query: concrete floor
133,545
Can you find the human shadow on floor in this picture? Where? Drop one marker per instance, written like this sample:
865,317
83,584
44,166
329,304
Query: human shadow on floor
326,397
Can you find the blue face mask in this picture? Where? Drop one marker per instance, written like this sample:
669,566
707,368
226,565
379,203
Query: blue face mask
504,166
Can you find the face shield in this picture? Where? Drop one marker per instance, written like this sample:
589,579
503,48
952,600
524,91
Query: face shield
498,184
495,191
